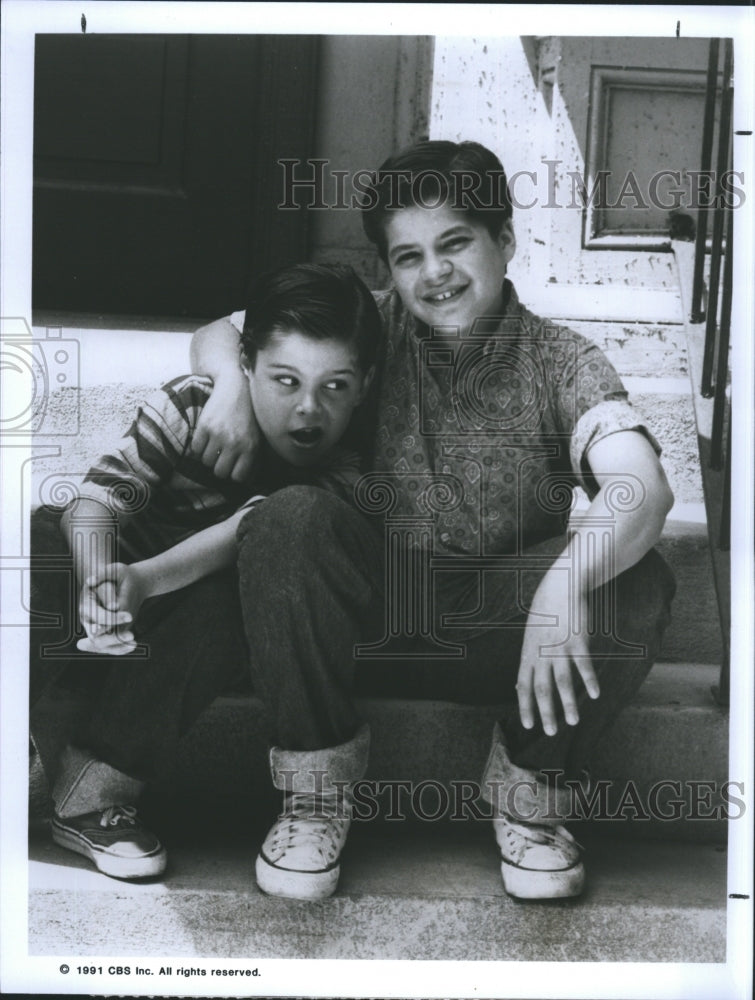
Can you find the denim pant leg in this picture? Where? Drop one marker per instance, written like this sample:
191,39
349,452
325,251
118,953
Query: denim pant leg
195,650
313,584
53,594
132,710
310,573
61,678
631,613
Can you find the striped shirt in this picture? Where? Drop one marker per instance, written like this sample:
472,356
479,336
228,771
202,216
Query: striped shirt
162,493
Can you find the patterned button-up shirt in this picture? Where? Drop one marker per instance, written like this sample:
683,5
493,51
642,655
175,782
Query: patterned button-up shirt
487,435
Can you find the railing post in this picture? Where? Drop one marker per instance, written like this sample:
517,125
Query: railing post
724,140
697,313
722,364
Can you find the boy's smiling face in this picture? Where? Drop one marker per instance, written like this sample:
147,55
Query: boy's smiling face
304,392
446,266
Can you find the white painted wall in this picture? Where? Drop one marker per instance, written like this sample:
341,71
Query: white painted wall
529,100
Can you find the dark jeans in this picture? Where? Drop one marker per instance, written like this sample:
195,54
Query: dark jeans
326,588
315,586
135,708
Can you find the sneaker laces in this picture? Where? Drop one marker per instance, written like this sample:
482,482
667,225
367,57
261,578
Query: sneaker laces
311,820
537,833
118,815
521,836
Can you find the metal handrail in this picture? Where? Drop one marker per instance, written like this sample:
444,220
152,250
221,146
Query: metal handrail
719,213
698,313
715,369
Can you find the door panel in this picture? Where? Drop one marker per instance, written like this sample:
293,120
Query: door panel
156,178
632,107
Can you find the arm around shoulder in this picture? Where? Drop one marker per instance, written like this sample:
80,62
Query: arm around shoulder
226,436
215,349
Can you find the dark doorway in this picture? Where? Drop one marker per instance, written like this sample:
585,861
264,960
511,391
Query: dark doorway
156,182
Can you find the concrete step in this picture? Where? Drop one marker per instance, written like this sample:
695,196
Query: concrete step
650,350
673,733
661,773
425,893
694,633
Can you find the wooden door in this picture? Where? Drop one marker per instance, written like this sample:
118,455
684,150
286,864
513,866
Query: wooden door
156,180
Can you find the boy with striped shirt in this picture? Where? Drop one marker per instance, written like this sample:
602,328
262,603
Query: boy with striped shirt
151,540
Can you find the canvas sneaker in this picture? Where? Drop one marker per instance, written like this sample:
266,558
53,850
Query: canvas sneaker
538,861
300,856
115,840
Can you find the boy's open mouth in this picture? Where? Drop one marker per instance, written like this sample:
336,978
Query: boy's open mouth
306,436
439,298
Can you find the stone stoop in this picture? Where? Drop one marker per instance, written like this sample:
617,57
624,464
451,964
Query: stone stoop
661,773
431,889
431,894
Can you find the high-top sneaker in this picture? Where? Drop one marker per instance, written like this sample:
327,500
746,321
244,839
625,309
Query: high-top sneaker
539,857
300,856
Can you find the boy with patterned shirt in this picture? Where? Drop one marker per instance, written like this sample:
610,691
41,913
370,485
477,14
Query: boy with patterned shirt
487,418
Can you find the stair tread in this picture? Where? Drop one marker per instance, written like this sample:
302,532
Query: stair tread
429,893
683,684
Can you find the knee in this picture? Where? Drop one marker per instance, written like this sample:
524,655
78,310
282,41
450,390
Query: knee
645,594
292,520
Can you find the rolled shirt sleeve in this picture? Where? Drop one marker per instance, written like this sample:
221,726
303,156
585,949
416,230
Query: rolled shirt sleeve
594,404
601,420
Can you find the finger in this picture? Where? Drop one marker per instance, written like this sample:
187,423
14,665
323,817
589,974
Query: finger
91,614
224,463
587,673
200,439
99,644
90,603
543,687
100,620
211,454
525,697
115,643
107,595
123,647
565,687
242,469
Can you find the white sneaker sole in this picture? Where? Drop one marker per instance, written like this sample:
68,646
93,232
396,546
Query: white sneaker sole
146,866
527,883
294,884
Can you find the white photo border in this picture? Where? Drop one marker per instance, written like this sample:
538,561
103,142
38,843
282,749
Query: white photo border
22,19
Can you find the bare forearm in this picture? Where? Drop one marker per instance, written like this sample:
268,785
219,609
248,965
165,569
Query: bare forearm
91,530
193,559
626,517
607,540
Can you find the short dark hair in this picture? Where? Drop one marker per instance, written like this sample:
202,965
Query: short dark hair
322,302
466,175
